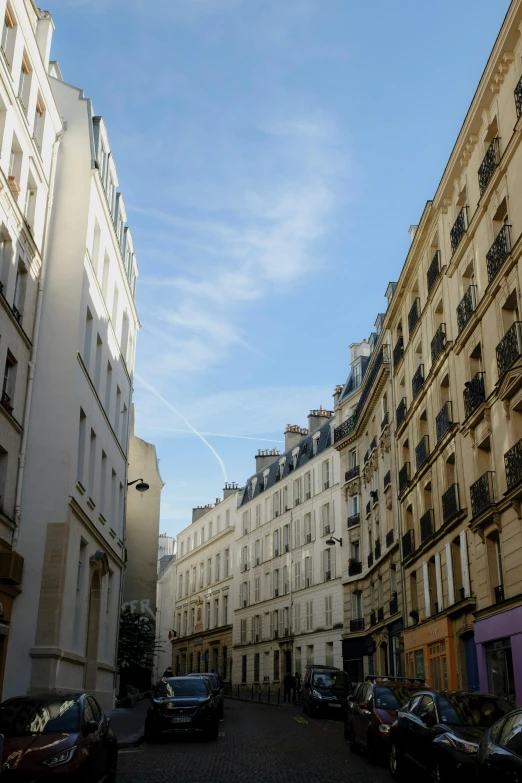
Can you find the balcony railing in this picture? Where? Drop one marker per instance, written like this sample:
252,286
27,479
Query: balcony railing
394,606
380,614
408,543
444,420
387,479
427,525
450,503
404,476
398,351
417,381
357,624
422,451
373,444
5,402
509,348
389,538
499,594
366,456
414,315
354,520
438,342
375,496
351,473
401,411
385,420
474,393
460,227
370,560
433,270
354,567
373,618
346,428
489,164
377,550
17,314
513,465
518,97
368,508
498,252
466,307
482,493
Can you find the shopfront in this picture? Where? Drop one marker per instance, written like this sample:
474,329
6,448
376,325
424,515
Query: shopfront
429,654
499,651
358,658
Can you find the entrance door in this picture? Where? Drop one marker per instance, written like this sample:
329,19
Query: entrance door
288,662
470,653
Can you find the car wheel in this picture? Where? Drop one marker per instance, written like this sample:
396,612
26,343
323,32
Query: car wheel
396,762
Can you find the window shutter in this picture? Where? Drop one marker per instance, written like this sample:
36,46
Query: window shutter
426,589
271,625
332,516
332,555
281,629
321,575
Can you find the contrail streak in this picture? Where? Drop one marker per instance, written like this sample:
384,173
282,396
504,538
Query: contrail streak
187,422
216,434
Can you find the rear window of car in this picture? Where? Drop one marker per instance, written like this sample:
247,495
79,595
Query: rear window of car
330,680
172,687
36,716
391,698
468,709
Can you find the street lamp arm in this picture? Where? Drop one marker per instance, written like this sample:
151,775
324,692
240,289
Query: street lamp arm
141,485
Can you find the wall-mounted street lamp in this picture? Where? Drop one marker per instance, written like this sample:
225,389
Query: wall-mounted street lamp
141,485
331,541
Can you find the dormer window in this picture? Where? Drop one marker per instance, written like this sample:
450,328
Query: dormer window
357,374
252,488
282,468
295,457
316,444
265,478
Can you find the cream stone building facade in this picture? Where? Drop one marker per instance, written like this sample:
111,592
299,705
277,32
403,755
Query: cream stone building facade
204,599
287,577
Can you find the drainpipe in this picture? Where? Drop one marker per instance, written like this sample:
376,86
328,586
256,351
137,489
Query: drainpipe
34,349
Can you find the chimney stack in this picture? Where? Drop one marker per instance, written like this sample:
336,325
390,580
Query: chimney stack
200,511
317,418
230,489
265,457
294,434
337,393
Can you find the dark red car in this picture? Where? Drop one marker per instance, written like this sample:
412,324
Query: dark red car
66,736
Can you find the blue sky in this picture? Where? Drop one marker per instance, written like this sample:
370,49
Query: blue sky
273,154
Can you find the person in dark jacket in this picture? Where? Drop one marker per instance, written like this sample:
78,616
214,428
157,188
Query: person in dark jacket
296,687
287,685
168,672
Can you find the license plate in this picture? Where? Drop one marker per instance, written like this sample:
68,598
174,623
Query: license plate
178,719
335,705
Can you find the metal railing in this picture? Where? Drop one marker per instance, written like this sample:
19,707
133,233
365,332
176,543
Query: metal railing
401,411
387,479
373,444
489,164
404,476
427,525
373,618
482,493
351,473
438,342
380,614
518,97
366,456
466,307
450,503
354,520
414,315
460,227
368,508
422,451
498,252
370,560
377,550
346,428
385,420
417,381
398,351
408,543
433,270
513,465
443,420
509,348
389,538
354,567
17,314
357,624
474,393
394,606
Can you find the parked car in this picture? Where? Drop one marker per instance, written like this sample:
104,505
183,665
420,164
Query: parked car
374,708
216,688
182,705
499,756
325,690
440,732
66,736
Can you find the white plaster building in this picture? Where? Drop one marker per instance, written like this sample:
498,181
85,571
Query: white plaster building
165,607
30,128
166,547
71,529
287,578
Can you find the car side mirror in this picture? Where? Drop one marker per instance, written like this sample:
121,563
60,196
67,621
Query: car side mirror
90,727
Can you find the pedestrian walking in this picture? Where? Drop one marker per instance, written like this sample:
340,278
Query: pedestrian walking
296,688
287,685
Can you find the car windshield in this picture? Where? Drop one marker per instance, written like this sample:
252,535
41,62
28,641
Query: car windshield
181,688
212,679
36,716
469,709
392,698
330,680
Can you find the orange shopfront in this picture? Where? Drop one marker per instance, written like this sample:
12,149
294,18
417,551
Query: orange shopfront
429,654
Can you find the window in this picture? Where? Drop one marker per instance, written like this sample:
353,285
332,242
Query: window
285,498
256,667
8,36
275,582
327,564
207,615
243,668
297,618
286,580
202,537
245,523
352,459
258,515
201,574
216,612
193,579
326,474
309,654
316,445
426,709
81,565
82,431
218,568
87,339
297,492
24,85
308,571
187,576
308,485
92,465
31,193
297,533
227,518
225,609
325,517
276,508
309,615
103,484
19,291
297,575
511,737
438,666
257,552
328,612
286,538
256,628
265,478
182,548
209,571
181,585
276,665
227,562
307,528
357,605
276,542
192,618
244,558
329,654
257,589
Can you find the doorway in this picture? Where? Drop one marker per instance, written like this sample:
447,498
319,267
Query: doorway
288,662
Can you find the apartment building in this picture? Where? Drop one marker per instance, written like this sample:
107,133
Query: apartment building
373,623
71,527
30,128
289,558
165,614
203,609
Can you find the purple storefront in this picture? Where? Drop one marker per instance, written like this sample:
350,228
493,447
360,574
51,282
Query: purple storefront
499,651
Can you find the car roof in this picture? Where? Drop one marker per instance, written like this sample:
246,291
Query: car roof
319,666
49,697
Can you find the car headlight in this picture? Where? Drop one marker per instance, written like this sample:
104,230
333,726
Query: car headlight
385,728
316,695
464,747
61,758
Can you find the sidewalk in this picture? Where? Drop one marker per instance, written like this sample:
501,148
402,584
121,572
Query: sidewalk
128,724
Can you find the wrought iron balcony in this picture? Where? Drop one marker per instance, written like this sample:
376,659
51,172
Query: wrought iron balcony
375,496
373,444
518,97
377,550
460,227
422,451
417,381
367,456
499,594
513,465
408,543
17,314
357,624
385,420
489,164
482,493
398,351
466,307
414,315
380,614
404,476
401,411
387,479
389,538
474,393
346,428
498,252
368,508
354,567
370,560
450,503
373,618
444,420
509,348
394,606
433,270
351,473
5,402
438,342
354,520
427,525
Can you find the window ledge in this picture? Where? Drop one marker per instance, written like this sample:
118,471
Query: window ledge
79,486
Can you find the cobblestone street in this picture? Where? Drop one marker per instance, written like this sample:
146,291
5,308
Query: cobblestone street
259,743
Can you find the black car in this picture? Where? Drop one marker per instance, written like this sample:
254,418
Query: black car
499,755
325,690
216,688
440,732
182,705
